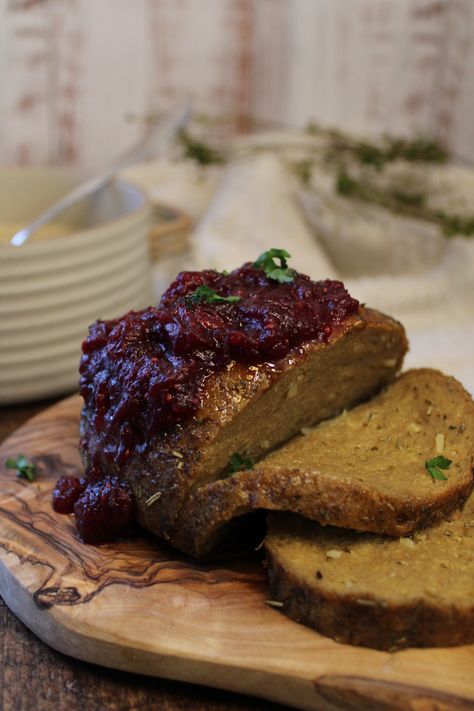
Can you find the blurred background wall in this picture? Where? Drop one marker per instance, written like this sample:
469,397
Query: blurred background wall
78,79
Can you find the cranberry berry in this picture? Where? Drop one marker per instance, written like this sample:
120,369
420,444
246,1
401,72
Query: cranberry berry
66,492
104,510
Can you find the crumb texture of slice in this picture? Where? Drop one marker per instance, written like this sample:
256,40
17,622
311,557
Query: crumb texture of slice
370,590
366,469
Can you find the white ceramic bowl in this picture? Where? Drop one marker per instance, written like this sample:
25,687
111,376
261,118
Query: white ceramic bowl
52,289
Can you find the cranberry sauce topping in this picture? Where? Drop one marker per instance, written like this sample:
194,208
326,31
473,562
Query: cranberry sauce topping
66,492
145,371
104,510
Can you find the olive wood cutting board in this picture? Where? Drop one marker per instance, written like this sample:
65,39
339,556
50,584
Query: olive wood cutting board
138,605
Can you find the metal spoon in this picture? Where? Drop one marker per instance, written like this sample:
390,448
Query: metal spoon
156,139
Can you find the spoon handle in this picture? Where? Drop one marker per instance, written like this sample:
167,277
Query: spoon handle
152,143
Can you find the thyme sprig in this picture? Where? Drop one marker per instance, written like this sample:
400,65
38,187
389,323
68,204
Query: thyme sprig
303,169
199,151
357,163
410,203
378,153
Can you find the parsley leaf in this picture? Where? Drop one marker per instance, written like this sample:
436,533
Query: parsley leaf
277,272
238,462
24,468
205,295
435,465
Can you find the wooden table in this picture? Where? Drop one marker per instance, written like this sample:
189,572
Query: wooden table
34,677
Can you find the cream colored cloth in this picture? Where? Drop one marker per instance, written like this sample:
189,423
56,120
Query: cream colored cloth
255,208
436,308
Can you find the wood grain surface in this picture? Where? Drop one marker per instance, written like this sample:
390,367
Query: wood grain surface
35,677
138,606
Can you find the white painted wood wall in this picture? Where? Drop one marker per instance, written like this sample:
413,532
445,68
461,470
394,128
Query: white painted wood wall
79,77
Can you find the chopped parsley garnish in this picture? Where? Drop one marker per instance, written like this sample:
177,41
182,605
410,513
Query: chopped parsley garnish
198,151
278,272
239,462
435,465
24,468
205,295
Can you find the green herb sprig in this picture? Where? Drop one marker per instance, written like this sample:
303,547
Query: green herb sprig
435,465
24,468
344,153
303,169
398,199
454,224
198,151
239,462
404,202
277,272
419,150
205,295
377,154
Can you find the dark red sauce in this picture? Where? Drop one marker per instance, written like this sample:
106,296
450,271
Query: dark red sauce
66,492
145,372
104,510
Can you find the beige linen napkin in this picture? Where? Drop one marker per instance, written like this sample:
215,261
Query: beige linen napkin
255,208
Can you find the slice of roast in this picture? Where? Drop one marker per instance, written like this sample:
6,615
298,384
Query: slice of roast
374,591
365,469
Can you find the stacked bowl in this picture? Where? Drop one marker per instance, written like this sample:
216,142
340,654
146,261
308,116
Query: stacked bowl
93,264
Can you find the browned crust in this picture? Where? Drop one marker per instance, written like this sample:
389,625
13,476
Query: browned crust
177,462
368,623
381,618
174,459
326,501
